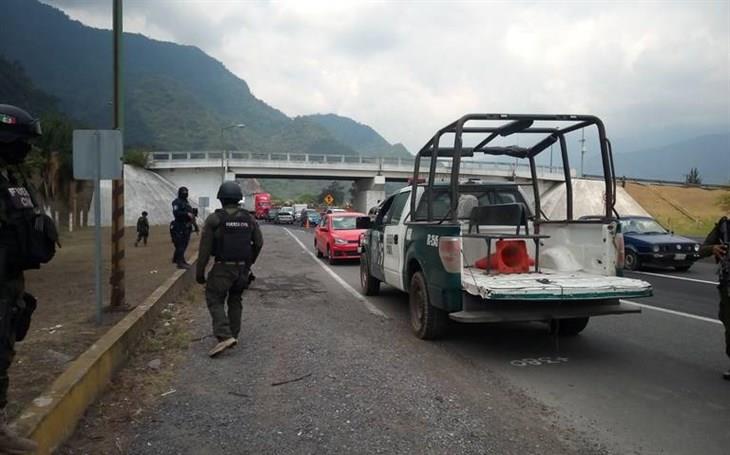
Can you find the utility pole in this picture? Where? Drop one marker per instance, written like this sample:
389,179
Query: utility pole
582,150
117,275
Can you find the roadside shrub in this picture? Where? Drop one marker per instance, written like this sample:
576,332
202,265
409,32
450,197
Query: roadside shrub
136,157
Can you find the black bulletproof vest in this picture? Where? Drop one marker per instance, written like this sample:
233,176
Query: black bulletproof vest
233,242
27,238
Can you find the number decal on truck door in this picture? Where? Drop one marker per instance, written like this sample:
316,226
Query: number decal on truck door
432,240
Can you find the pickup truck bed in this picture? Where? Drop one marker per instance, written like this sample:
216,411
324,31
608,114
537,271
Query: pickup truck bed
550,284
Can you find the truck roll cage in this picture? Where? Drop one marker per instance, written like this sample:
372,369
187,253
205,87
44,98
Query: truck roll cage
502,125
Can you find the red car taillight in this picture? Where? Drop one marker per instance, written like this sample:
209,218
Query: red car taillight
450,253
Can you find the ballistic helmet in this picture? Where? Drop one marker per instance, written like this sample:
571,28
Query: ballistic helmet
16,124
230,191
182,192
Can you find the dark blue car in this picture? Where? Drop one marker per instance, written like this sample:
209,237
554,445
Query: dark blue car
648,243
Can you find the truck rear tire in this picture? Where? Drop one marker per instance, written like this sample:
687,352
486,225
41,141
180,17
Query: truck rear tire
427,321
368,283
568,327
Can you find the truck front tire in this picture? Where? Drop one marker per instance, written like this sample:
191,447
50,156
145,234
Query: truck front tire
368,283
568,327
427,321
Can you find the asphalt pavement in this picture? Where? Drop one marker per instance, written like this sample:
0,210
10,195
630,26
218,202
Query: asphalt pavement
648,383
361,383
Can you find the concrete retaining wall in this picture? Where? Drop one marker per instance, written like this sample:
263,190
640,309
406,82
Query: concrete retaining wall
52,417
143,190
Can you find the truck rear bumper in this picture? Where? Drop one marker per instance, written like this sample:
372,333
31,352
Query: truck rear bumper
546,311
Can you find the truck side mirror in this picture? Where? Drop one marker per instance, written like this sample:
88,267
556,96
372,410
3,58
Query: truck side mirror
362,222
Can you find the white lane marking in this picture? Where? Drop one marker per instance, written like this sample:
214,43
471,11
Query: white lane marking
662,275
676,313
370,307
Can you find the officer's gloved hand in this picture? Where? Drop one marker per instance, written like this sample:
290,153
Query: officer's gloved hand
200,279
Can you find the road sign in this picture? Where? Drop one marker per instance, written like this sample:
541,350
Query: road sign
329,199
90,145
97,155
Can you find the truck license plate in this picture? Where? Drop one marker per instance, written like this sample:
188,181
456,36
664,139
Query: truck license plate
680,257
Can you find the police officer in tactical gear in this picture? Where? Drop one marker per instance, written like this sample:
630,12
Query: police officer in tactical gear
717,244
233,237
17,206
181,226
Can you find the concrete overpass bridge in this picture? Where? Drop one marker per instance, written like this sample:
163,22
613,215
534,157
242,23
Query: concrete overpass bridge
202,171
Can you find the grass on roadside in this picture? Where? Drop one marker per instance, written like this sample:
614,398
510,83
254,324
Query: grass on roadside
690,211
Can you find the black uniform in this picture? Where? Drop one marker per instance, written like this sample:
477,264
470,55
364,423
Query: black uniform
143,229
27,240
233,237
181,226
715,237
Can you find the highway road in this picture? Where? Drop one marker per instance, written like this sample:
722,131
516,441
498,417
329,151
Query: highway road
647,384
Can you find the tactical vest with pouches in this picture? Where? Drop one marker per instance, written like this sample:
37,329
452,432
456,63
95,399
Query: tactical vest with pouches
28,237
233,240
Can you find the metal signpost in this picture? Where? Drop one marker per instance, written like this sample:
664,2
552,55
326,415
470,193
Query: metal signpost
97,155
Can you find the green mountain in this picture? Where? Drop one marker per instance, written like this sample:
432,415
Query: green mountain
710,154
177,97
16,88
362,138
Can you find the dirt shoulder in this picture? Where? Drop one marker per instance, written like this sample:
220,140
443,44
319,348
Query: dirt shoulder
64,324
316,373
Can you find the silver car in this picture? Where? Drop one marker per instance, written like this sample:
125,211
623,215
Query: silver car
285,215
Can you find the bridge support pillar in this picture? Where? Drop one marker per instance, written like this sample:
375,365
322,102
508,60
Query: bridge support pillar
368,193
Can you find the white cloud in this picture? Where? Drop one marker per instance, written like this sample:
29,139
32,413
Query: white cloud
407,68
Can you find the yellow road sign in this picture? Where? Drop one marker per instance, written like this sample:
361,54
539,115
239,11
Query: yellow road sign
329,199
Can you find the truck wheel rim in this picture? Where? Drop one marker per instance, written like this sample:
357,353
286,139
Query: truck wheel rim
417,308
363,274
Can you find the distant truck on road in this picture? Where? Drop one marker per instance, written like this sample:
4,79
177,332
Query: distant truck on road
474,251
257,203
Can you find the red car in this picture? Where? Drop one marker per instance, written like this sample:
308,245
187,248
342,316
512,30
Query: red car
336,236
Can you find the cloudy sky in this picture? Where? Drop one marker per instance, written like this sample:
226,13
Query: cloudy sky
654,71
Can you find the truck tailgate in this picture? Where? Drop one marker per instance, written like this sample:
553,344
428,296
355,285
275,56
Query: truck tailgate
549,285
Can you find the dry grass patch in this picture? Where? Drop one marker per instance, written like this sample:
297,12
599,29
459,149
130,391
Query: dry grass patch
688,211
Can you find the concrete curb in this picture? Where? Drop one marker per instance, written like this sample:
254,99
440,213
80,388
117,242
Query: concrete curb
52,417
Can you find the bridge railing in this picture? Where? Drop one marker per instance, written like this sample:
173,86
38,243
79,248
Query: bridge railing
236,158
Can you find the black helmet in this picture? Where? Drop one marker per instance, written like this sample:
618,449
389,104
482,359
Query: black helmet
144,213
230,191
17,124
182,192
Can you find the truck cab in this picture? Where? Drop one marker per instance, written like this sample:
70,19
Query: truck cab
474,251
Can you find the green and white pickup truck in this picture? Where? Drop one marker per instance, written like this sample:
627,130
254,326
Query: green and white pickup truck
428,239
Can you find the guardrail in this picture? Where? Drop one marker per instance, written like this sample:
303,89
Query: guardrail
233,158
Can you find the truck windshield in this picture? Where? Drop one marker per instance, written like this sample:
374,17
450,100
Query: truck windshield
341,223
